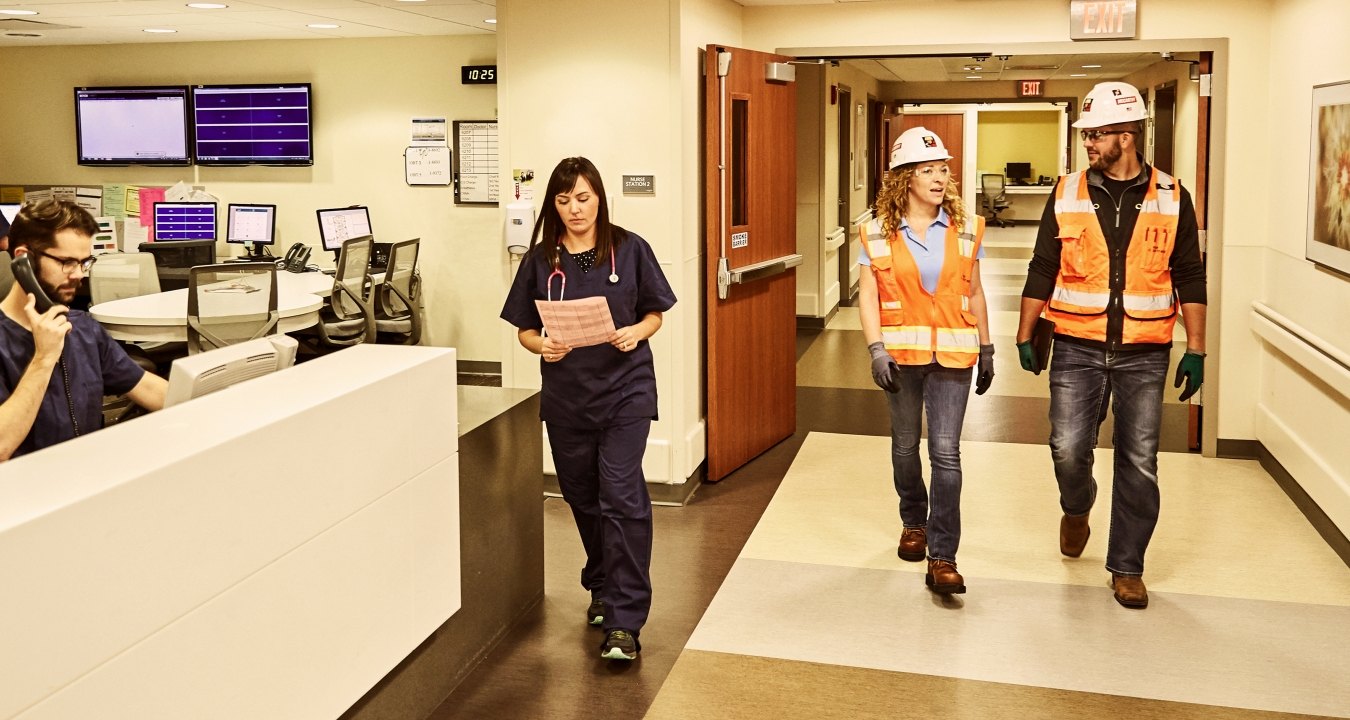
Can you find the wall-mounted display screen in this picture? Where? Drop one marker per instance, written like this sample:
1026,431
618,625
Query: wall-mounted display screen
131,125
253,124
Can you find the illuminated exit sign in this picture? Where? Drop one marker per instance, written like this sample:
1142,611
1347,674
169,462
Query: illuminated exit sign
1030,88
1103,19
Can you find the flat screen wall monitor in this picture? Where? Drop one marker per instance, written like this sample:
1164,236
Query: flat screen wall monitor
252,226
1018,172
337,225
9,210
252,124
131,126
185,221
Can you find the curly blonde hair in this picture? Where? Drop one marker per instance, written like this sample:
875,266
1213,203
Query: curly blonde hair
893,200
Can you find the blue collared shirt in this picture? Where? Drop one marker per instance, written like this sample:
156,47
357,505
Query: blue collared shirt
929,252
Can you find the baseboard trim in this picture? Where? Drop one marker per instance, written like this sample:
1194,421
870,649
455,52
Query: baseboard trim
479,367
808,322
663,494
1306,505
1238,449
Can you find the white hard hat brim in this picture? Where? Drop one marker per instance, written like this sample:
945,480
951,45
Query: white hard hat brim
923,160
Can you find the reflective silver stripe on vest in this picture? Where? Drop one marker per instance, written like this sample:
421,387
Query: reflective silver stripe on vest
1147,302
907,337
1081,298
1070,202
958,340
1165,203
890,304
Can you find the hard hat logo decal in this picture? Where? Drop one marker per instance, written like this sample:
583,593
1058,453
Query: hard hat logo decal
1126,100
929,141
1087,105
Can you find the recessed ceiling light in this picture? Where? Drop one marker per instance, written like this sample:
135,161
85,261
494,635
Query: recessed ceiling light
412,0
159,30
18,12
1077,74
323,26
207,6
973,77
1091,66
491,21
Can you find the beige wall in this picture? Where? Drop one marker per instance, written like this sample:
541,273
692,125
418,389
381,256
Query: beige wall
1030,137
365,91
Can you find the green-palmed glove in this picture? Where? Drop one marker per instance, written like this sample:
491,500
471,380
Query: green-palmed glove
1191,369
1026,354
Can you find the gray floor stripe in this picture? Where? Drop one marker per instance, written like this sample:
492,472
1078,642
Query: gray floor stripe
1287,657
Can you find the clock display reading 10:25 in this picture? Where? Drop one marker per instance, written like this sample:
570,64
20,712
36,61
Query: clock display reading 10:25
478,74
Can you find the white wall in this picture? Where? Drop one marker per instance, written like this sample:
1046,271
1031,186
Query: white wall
365,91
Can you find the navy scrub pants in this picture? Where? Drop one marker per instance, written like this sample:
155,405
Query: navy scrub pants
600,475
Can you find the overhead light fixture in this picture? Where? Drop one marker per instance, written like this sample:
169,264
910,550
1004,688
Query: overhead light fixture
323,26
1088,67
207,6
159,30
1078,75
412,0
974,77
491,21
18,12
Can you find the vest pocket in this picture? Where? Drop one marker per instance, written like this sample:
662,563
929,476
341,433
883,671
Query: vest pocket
1072,256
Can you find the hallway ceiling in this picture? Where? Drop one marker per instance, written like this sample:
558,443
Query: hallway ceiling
1016,67
100,22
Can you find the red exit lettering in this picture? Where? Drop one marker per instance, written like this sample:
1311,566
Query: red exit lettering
1103,18
1030,88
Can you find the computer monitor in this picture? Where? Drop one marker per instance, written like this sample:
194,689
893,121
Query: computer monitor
185,221
337,225
1018,172
131,125
204,373
252,226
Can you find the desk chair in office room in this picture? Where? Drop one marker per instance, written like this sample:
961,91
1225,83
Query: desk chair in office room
398,312
347,318
230,303
122,275
174,258
993,199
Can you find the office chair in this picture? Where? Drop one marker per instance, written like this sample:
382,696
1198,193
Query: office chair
230,303
347,318
993,199
398,312
123,275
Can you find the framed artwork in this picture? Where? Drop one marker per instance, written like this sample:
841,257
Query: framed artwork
1328,240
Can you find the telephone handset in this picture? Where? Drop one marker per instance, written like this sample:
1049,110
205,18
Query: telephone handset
296,258
22,267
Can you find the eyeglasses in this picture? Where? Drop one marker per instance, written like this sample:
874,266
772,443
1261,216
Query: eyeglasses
1095,135
68,265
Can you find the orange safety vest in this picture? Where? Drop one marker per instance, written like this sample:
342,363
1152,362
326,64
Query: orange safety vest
1083,287
917,326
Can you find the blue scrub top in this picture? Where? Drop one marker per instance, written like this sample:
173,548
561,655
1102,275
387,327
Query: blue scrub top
96,364
596,385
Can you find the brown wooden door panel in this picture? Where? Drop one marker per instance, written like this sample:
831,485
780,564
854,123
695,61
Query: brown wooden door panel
751,334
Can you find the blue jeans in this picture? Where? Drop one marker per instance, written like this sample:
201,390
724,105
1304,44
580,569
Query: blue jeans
943,392
1083,381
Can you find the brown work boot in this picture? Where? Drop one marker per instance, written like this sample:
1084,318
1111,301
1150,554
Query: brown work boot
913,544
1073,534
1130,591
943,578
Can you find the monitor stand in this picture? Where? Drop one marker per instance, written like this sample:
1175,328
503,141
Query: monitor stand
253,252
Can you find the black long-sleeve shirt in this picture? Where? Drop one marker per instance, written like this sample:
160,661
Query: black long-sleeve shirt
1117,221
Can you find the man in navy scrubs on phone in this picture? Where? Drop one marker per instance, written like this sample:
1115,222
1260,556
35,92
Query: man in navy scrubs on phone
56,366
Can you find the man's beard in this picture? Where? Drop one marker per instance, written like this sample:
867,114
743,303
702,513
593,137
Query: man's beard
56,293
1107,158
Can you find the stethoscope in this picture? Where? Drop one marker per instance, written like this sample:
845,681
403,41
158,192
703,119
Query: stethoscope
558,273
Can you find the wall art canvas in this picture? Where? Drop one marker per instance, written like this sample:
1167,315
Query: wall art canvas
1328,240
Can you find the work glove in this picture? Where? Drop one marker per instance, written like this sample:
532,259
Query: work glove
1026,354
1192,370
884,369
986,369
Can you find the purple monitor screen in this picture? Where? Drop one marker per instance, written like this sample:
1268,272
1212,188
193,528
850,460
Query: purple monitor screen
131,126
185,221
252,124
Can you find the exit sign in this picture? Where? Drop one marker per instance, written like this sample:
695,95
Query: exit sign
1030,88
1102,19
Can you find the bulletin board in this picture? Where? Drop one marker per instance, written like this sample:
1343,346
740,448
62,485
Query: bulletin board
477,181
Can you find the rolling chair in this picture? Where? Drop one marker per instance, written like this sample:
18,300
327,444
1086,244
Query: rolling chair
347,318
398,314
993,199
230,303
123,275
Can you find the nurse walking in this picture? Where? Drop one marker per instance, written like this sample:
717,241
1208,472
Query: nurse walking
597,402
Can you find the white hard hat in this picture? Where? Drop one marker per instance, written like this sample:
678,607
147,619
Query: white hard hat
917,144
1109,103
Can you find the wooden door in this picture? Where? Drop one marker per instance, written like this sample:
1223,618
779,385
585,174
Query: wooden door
1200,196
751,247
948,126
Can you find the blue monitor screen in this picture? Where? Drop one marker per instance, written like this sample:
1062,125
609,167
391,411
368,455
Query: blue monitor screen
185,221
253,124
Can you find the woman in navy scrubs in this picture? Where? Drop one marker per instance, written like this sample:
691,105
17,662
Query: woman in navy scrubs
598,402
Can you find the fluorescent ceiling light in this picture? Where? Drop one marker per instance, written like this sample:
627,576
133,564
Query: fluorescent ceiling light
491,21
18,12
207,6
1091,66
159,30
323,26
973,77
1077,74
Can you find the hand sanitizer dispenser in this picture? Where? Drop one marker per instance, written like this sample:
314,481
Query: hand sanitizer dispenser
519,225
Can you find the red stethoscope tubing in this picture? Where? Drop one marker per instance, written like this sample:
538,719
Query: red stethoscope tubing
562,286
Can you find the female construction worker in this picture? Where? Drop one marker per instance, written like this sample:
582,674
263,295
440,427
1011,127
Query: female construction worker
598,401
925,322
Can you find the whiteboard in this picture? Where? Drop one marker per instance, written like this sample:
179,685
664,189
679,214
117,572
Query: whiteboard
427,165
477,179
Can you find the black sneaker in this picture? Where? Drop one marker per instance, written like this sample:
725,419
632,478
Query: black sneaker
595,614
619,645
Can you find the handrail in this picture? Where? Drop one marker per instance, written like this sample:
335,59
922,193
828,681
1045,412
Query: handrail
863,217
835,239
1330,364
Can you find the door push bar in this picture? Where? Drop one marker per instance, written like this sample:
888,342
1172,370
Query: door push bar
727,277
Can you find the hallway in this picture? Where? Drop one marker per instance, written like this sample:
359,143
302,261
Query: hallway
778,593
